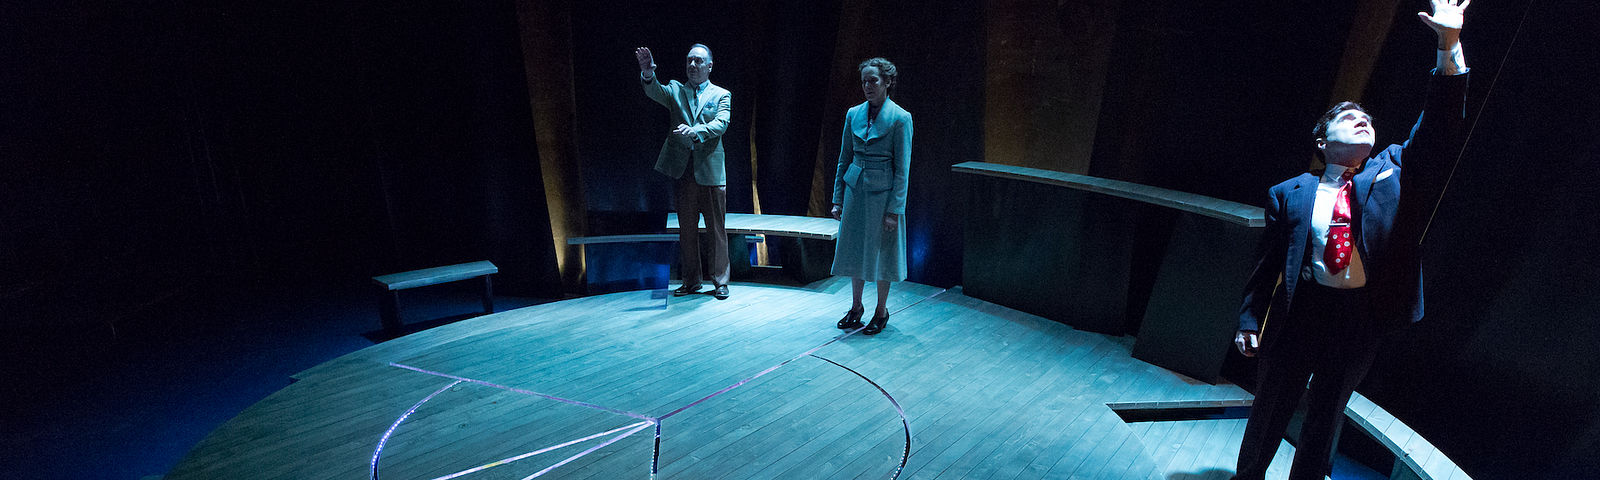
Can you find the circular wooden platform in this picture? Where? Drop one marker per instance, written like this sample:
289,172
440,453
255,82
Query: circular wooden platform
575,389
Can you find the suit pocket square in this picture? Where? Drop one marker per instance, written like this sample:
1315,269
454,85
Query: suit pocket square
1382,175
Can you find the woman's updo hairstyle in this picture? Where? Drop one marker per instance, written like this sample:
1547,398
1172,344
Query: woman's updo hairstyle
885,70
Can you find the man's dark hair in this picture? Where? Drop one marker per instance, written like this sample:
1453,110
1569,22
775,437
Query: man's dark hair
708,51
1320,130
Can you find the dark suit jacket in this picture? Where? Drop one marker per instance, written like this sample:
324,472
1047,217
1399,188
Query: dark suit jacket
709,121
1392,197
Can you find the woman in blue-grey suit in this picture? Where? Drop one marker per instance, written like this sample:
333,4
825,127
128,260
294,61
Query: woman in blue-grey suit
869,193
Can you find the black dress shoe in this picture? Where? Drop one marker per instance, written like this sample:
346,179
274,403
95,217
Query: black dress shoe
876,325
721,292
685,290
852,320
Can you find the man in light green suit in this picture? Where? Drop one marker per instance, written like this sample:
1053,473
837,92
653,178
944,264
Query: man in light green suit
692,154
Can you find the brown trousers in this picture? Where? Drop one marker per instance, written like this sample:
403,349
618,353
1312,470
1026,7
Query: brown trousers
695,200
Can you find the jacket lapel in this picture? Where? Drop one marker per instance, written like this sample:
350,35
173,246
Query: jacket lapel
1298,213
886,115
1300,201
685,107
858,122
1361,188
1365,188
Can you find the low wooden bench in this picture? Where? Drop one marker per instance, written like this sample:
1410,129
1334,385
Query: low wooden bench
389,306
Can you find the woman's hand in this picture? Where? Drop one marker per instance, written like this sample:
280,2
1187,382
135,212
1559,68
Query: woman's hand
890,222
835,212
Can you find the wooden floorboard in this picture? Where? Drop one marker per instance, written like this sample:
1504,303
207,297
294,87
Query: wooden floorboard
990,393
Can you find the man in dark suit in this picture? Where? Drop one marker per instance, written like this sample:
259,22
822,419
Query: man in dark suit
692,153
1340,262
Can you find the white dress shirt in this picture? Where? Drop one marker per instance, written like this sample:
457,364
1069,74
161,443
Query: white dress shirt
1354,275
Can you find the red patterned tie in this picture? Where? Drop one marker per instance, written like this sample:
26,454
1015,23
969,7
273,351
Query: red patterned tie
1337,255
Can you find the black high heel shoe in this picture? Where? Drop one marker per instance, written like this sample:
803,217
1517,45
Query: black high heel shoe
852,320
876,325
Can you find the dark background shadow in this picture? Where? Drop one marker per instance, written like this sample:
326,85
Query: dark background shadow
157,157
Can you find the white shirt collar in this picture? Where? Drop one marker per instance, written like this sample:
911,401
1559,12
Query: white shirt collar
1333,172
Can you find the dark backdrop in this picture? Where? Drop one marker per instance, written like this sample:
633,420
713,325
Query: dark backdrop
149,148
1503,372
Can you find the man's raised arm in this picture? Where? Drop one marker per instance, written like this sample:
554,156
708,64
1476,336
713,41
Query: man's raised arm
647,76
1446,23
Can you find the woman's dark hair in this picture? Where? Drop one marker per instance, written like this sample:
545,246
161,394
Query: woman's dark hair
885,70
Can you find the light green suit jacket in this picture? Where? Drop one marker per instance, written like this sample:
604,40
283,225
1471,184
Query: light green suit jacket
709,120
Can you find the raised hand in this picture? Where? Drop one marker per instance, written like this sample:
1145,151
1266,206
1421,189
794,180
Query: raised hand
647,62
1446,23
1447,16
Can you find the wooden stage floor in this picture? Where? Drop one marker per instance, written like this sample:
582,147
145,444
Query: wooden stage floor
987,392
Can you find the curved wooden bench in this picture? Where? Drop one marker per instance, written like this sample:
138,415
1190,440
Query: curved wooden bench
808,252
639,237
1414,458
1073,248
1231,212
737,223
815,228
630,268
